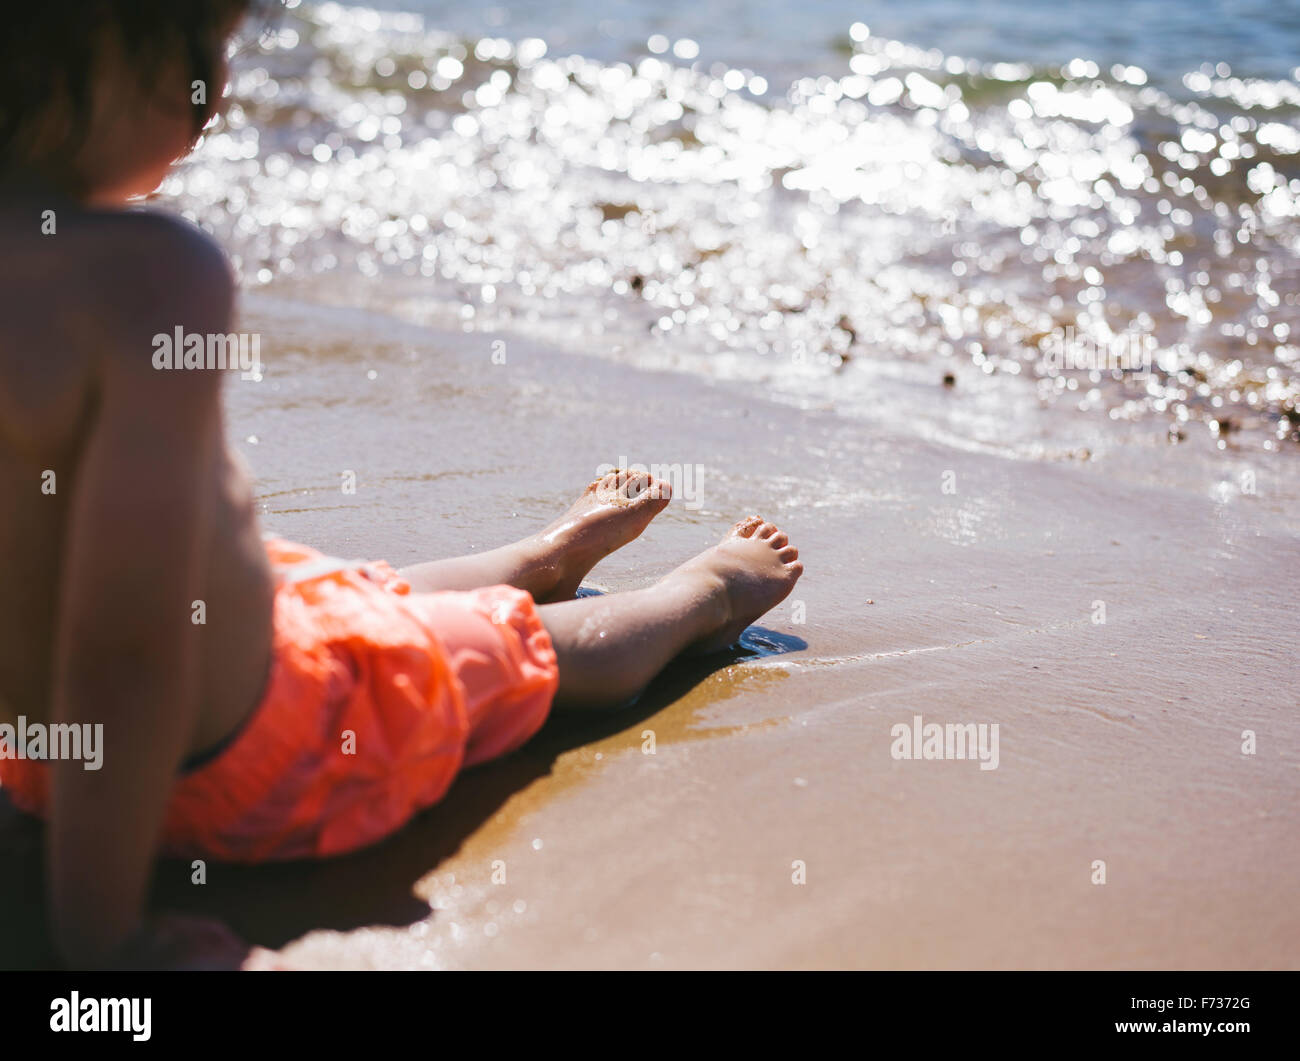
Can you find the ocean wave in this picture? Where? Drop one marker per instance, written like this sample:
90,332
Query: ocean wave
1090,241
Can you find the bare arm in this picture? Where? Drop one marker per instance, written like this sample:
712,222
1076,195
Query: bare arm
127,654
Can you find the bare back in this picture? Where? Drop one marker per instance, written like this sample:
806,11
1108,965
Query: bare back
54,290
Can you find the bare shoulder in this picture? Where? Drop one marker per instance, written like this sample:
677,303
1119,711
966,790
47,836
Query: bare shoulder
149,273
110,265
80,305
141,275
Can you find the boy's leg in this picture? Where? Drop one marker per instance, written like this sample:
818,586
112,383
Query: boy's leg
610,647
552,564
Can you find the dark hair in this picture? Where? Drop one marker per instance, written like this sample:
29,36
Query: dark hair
48,54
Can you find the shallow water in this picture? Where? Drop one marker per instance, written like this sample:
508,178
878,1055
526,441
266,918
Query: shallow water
971,232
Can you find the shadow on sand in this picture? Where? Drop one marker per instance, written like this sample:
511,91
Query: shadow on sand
273,904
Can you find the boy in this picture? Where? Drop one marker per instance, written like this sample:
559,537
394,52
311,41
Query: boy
227,739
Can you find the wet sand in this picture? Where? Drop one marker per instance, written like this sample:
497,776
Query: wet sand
1119,741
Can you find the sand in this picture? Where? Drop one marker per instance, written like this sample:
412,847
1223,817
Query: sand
1120,742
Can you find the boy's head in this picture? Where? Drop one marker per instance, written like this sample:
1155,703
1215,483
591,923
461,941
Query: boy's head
99,97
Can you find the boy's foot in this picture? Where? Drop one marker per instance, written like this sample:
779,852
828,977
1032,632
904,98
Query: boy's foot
607,515
748,573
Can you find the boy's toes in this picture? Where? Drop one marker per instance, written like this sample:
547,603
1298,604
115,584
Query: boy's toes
609,487
624,487
747,526
645,487
788,555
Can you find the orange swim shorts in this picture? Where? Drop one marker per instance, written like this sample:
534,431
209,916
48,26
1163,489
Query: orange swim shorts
377,697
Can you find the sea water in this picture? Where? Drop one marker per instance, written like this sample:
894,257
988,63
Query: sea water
928,213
